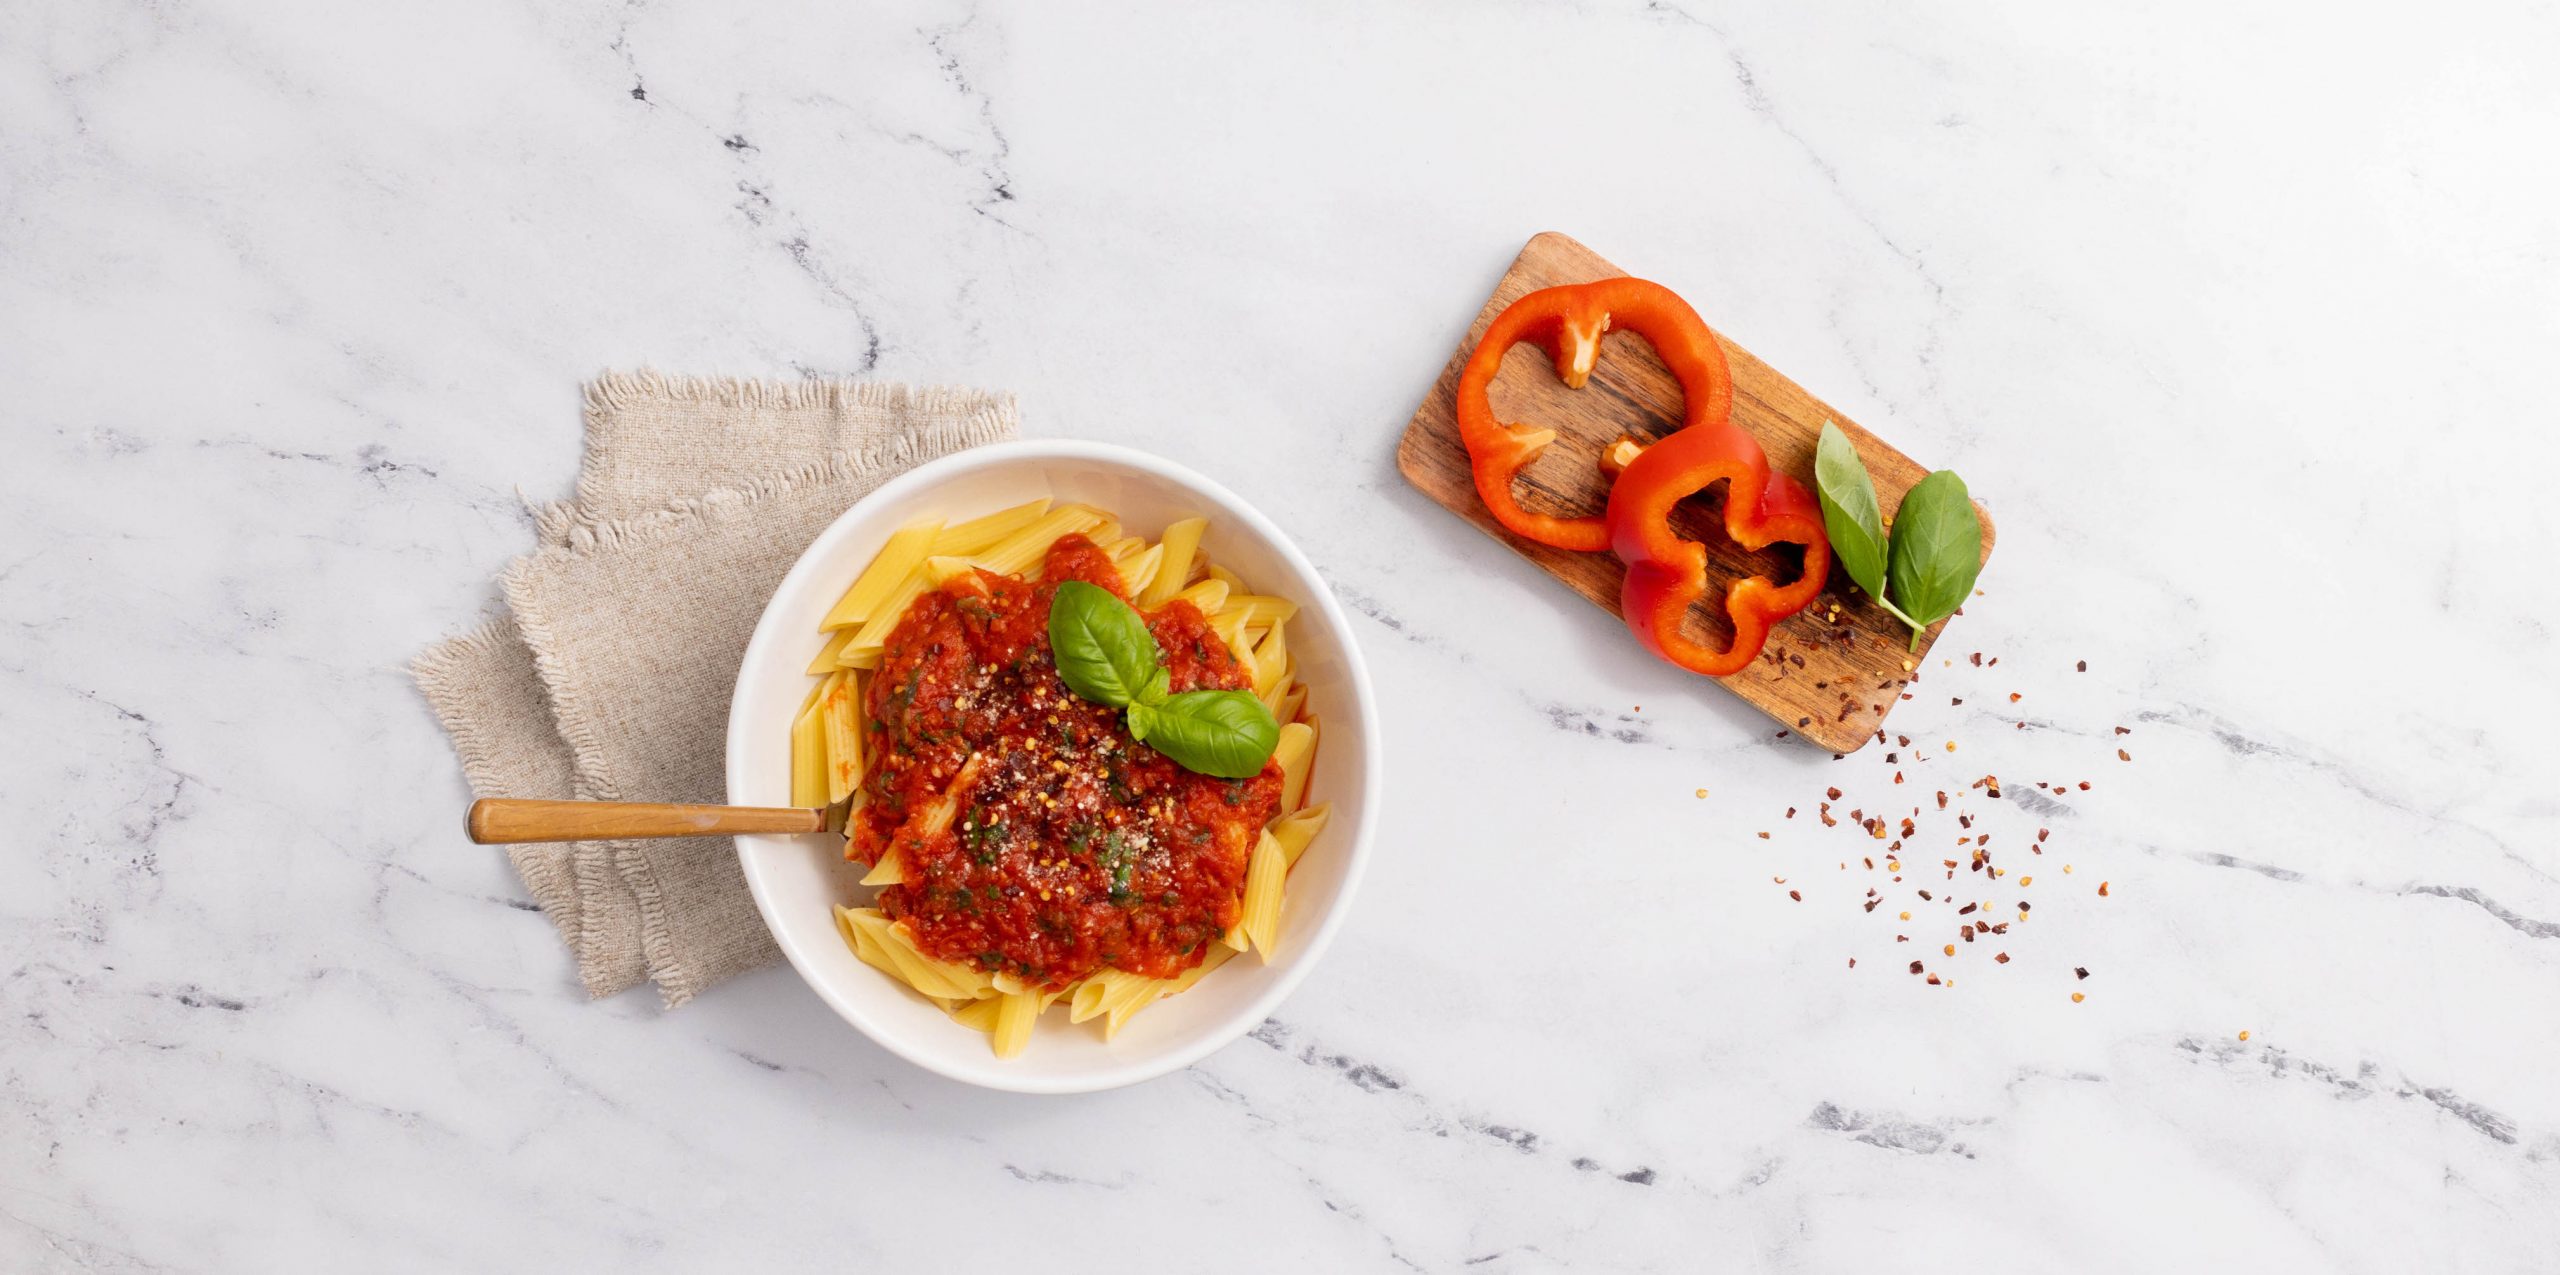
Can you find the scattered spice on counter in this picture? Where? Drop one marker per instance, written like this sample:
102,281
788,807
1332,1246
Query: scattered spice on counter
2077,997
1797,895
2081,970
2244,1035
2102,889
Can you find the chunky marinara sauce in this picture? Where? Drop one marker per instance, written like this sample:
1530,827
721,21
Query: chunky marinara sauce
1072,847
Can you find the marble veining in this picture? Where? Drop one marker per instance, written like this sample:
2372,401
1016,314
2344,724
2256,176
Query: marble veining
2239,321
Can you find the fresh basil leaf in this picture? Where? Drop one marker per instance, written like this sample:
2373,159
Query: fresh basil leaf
1228,734
1142,718
1849,511
1937,549
1156,689
1102,647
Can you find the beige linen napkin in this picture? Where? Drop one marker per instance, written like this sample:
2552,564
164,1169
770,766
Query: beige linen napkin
609,678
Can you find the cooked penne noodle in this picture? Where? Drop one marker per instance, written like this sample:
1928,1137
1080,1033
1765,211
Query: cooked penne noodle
1227,578
905,549
1181,543
1261,609
809,759
1019,1010
1294,830
978,535
1270,658
1208,595
1140,570
1292,703
840,706
874,635
1295,755
979,1015
827,655
1263,875
940,570
1020,550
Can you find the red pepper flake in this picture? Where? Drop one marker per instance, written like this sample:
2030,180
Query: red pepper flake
1933,980
1832,793
1952,702
2042,833
1797,895
1904,740
2084,785
2122,755
1942,799
1968,933
2102,891
1915,967
1871,866
2023,905
2124,730
2003,958
1967,909
2014,697
1924,895
1897,776
1764,836
1977,659
2081,970
2084,666
1791,812
1853,962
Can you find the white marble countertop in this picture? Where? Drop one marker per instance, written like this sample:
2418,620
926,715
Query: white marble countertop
2243,328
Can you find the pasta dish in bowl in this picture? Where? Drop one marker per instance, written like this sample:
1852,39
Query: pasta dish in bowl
1108,747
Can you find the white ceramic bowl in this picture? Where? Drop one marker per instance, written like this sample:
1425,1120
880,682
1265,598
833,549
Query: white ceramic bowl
797,880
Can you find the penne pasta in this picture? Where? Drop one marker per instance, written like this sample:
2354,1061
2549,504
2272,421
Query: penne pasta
978,535
840,707
1014,1018
1140,570
827,655
1294,830
1263,875
1227,578
938,570
1180,543
809,759
905,549
1292,703
874,636
1031,544
1296,754
979,1015
1208,595
1270,659
1261,609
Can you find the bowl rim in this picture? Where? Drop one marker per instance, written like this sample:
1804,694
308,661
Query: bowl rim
1000,1075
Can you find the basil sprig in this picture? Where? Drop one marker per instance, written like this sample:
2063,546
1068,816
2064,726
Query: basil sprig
1105,654
1927,568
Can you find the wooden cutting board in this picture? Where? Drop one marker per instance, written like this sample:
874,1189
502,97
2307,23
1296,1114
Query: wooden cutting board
1830,674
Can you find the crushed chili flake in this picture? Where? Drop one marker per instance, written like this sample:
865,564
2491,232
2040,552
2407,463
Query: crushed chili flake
2102,889
1797,895
2003,958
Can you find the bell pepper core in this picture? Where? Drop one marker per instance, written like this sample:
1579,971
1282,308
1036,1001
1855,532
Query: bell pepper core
1568,322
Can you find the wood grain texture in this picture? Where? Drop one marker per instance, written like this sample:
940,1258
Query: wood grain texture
507,820
1831,674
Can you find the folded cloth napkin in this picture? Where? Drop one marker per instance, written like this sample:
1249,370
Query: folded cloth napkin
609,677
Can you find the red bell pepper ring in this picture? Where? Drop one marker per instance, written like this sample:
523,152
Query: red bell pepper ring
1665,573
1568,322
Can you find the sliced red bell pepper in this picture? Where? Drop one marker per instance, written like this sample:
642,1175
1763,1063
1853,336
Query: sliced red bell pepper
1665,573
1568,322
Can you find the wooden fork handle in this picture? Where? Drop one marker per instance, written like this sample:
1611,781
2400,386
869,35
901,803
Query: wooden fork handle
505,820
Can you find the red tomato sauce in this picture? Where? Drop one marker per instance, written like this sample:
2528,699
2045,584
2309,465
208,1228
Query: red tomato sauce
1071,847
